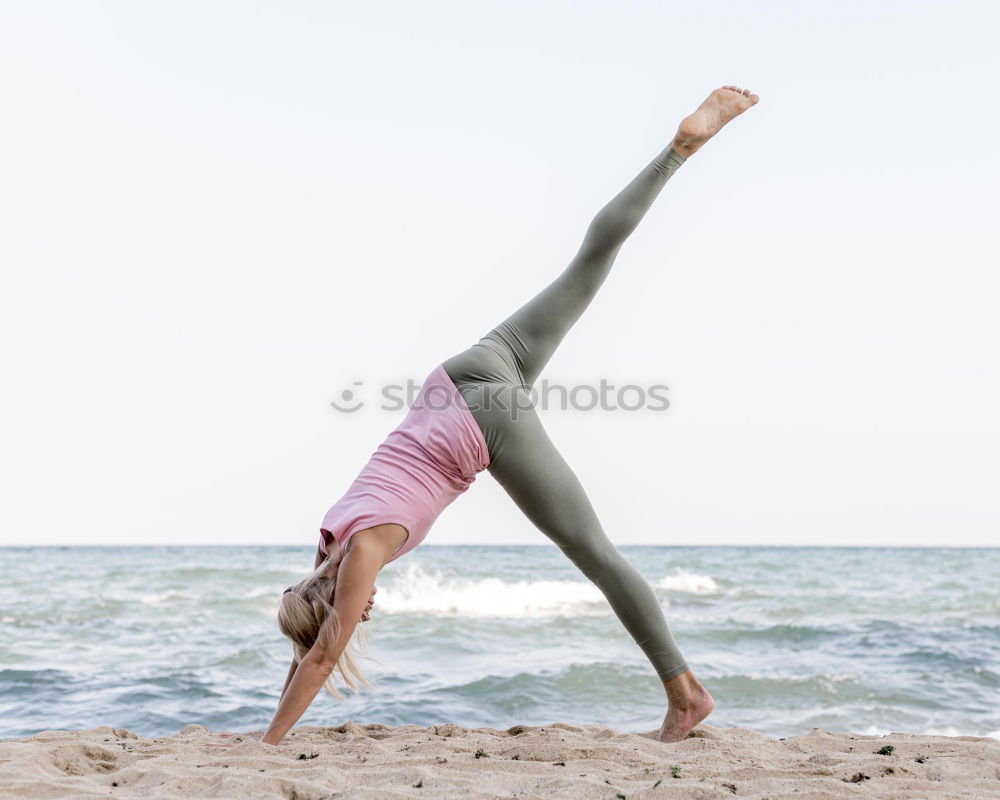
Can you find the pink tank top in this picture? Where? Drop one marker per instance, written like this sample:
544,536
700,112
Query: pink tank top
421,467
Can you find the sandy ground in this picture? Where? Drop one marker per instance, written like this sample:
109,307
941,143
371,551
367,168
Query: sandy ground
447,761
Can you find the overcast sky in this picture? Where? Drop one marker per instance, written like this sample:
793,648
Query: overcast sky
216,216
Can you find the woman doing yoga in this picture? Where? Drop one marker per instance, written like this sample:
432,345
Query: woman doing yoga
472,413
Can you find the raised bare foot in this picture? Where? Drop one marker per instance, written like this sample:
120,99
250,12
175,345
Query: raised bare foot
690,703
720,107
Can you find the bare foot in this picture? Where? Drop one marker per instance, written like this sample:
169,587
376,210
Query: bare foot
690,703
720,107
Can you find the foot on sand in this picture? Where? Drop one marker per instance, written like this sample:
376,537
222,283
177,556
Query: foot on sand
720,107
684,714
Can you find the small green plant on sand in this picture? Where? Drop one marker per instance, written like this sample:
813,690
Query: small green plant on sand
675,771
885,751
480,753
920,759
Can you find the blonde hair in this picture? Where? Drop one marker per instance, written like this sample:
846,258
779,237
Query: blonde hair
305,609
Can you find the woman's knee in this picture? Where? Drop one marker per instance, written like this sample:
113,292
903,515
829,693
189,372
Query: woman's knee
594,554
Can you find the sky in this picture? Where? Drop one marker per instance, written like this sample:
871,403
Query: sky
215,217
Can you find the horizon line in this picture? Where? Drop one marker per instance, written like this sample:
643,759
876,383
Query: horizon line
547,544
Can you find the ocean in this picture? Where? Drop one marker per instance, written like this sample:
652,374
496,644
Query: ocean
872,640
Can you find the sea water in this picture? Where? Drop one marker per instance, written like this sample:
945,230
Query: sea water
871,640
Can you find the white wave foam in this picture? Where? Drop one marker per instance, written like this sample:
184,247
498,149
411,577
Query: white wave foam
163,598
689,582
419,591
951,730
837,677
874,730
948,730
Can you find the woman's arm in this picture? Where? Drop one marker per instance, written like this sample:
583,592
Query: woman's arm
288,678
355,585
334,556
320,558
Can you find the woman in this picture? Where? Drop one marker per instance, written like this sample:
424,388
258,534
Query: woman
474,413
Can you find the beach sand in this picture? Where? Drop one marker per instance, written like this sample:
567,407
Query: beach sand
448,761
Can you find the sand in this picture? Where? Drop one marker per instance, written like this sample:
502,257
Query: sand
447,761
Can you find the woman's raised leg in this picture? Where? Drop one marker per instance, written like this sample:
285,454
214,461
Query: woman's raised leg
527,339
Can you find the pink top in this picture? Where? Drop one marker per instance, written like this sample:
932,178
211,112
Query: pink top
421,467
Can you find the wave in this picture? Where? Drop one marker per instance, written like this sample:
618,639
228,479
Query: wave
262,591
165,598
689,582
947,730
418,590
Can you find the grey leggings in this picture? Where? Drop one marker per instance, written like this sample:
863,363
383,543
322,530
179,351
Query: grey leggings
494,376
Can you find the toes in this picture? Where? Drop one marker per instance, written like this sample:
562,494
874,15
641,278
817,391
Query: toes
745,92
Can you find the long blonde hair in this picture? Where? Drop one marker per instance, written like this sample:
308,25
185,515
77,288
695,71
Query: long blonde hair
305,609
